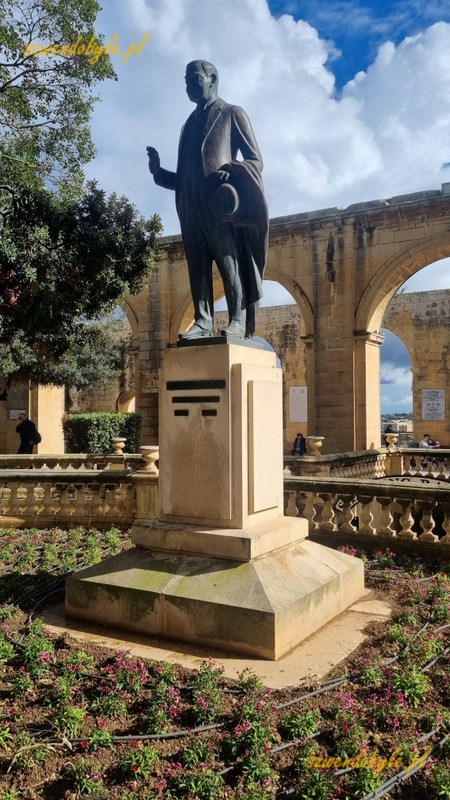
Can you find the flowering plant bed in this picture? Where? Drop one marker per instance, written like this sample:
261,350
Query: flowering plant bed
82,721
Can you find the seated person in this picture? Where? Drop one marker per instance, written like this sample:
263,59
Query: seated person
299,446
427,441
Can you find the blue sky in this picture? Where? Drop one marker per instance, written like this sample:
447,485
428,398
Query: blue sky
350,101
357,28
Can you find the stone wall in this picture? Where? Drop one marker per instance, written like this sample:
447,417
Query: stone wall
342,267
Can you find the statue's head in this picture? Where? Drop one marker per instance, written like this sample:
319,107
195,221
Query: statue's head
201,82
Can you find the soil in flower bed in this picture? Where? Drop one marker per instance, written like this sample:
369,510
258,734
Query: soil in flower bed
81,721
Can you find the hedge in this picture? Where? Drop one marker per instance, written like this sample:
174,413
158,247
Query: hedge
92,433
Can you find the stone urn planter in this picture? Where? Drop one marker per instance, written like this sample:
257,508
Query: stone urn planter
391,439
314,444
118,444
150,454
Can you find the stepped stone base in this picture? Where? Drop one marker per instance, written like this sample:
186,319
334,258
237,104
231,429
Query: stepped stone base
263,607
236,544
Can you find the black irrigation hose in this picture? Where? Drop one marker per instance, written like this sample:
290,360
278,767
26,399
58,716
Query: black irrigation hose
43,599
396,779
329,686
432,663
405,773
139,737
325,688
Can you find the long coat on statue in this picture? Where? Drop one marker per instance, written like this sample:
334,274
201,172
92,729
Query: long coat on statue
210,140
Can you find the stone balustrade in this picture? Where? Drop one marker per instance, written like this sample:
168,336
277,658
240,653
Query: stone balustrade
410,503
72,461
364,464
418,462
43,498
410,462
408,509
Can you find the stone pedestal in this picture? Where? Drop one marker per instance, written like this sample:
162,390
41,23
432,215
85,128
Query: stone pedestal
221,436
221,566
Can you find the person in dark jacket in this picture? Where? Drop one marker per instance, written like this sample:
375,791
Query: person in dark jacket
299,446
28,434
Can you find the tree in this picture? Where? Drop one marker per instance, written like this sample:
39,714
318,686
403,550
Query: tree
99,352
62,263
46,99
68,254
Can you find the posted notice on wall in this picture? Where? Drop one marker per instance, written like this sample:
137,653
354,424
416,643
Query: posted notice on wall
433,404
298,407
14,412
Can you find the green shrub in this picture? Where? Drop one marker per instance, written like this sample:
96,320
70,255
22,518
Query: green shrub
92,433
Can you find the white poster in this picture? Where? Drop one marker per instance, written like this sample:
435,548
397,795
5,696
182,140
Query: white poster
298,409
14,412
433,404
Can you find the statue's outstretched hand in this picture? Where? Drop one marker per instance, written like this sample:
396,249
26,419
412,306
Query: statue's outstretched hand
154,162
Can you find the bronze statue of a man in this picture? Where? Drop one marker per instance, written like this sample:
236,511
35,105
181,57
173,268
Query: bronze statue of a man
220,204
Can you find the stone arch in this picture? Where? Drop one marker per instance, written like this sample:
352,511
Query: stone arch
294,289
183,314
393,273
182,317
420,320
131,316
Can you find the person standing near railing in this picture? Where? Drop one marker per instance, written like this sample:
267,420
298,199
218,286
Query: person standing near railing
28,433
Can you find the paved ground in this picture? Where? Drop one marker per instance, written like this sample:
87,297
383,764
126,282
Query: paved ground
311,659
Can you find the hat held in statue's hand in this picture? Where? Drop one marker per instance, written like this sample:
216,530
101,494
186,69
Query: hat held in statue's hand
225,202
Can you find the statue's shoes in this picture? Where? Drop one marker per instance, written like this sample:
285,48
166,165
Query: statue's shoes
196,332
235,328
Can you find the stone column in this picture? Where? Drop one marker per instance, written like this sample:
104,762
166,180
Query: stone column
367,390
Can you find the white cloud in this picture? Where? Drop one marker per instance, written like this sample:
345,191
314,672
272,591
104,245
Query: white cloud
389,373
391,405
389,133
435,276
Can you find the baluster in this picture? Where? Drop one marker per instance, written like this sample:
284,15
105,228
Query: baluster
386,518
427,521
55,500
87,498
38,499
406,519
309,511
130,500
47,499
291,508
119,496
22,500
441,468
327,514
72,494
103,505
446,524
64,500
5,500
111,492
366,516
428,466
347,514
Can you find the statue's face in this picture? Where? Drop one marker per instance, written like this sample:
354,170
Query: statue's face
199,87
